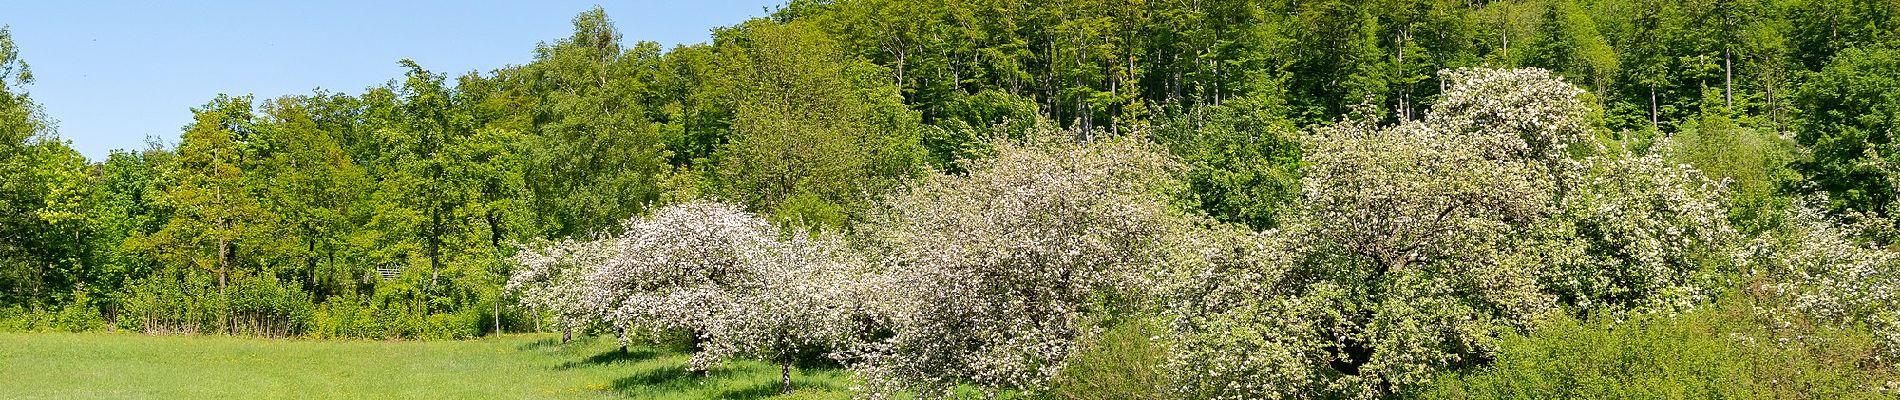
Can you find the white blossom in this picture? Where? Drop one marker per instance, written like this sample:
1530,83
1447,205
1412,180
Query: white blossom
553,276
996,275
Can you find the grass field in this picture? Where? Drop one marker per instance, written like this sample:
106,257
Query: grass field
131,366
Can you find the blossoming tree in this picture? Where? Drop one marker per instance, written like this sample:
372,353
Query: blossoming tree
998,273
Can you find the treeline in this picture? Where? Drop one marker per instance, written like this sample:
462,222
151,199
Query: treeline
392,212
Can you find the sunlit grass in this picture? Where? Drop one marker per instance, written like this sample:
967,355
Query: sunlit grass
102,365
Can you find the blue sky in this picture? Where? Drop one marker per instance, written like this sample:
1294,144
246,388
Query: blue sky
112,73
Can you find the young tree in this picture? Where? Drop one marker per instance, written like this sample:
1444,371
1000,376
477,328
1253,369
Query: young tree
554,276
595,155
810,123
213,207
812,298
738,285
677,267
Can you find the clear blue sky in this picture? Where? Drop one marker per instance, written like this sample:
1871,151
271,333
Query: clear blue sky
112,73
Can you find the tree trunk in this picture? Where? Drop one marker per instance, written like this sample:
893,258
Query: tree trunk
225,311
1652,107
435,244
1728,80
785,378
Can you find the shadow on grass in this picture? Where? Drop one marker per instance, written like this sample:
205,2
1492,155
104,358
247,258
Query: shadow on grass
753,392
667,376
546,342
610,357
676,380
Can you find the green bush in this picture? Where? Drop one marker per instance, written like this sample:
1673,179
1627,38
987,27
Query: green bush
1122,363
75,316
22,319
1722,351
78,316
409,307
348,316
191,302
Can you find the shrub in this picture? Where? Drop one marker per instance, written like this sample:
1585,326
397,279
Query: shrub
1721,351
190,302
1125,362
1638,233
997,273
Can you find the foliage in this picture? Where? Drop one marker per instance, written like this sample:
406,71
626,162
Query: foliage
1755,165
194,302
809,122
1717,352
1125,361
1242,157
598,155
1849,112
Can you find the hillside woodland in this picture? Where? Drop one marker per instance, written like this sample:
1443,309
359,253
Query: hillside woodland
1222,199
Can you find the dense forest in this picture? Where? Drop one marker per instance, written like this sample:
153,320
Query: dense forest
1292,199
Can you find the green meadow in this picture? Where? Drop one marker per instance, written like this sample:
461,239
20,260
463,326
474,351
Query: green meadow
134,366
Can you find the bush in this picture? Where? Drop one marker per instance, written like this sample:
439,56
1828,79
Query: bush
1721,351
266,307
22,319
190,302
347,316
1125,362
406,308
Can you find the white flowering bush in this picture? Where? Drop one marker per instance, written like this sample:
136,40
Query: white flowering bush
1415,247
553,276
811,299
1241,321
1423,239
1641,234
1513,114
740,286
996,275
675,268
1834,278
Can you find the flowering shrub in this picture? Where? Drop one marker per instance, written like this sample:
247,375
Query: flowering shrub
1833,278
996,275
1638,233
738,285
811,298
553,276
675,269
1511,114
1415,247
1241,321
